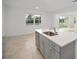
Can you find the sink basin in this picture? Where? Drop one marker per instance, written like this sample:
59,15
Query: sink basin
50,33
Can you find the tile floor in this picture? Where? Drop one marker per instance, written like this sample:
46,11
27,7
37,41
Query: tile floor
20,47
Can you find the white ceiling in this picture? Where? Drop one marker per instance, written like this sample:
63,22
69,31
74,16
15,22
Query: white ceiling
44,5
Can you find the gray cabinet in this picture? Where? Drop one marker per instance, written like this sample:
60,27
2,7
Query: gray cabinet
37,40
54,54
42,44
68,51
48,49
46,46
51,50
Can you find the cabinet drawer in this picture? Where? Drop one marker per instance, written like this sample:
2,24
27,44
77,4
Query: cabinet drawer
53,45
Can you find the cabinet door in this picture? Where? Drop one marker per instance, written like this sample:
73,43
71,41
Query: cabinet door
46,49
47,54
37,40
52,53
42,44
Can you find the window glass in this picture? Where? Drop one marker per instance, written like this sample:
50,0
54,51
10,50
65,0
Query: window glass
33,19
29,19
63,21
75,20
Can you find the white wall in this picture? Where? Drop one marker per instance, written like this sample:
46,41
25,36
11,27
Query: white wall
15,21
3,20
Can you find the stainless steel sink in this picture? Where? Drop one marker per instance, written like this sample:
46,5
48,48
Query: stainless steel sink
50,33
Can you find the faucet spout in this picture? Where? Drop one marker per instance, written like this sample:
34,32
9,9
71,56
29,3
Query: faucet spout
54,30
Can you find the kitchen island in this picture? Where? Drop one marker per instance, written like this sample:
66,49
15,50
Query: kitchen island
59,46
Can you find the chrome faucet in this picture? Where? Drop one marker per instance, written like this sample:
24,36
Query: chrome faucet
54,30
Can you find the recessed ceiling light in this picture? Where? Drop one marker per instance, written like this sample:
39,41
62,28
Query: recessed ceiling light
74,1
37,7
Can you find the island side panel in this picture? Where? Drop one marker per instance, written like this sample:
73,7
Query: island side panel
40,43
69,51
37,40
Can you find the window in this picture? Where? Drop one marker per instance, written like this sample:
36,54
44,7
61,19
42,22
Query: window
74,19
63,21
37,19
33,19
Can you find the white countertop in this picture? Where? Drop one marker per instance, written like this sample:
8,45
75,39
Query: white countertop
64,37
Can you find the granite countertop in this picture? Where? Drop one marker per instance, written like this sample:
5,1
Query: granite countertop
64,37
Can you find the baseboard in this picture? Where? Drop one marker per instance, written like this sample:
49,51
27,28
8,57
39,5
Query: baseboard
17,35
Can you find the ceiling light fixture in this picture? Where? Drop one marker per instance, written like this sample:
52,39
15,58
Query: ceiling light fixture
37,7
74,1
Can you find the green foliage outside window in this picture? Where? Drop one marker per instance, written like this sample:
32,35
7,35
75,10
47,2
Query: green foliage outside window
31,19
63,22
75,20
38,20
